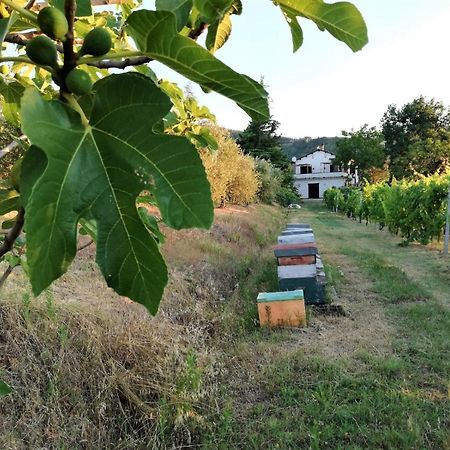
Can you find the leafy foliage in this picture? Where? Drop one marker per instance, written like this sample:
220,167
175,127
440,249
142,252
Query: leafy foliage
187,118
90,154
194,62
415,210
116,165
340,19
362,149
273,184
417,138
261,141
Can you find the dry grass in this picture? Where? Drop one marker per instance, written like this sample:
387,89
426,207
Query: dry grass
91,370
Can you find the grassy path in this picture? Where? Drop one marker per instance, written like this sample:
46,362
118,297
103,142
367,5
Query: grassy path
379,378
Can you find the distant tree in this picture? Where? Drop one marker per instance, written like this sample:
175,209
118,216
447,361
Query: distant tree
413,133
363,149
260,140
430,156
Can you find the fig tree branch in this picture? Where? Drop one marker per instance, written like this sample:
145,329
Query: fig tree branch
70,59
5,275
196,32
30,4
9,269
11,146
23,39
13,233
127,62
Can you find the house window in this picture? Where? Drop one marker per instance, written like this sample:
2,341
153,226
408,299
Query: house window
306,168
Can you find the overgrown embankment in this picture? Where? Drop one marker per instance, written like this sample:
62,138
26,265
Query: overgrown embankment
90,370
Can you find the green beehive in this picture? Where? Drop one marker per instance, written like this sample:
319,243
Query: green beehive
303,277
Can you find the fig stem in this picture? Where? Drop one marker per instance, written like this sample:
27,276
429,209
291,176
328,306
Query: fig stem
72,102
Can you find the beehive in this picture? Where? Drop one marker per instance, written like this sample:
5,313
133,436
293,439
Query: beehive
296,260
302,277
298,225
309,248
296,239
282,309
292,231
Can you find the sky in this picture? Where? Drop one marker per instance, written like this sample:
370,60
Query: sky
325,88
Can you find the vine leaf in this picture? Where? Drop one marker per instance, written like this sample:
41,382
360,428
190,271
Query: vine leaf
155,34
342,19
96,172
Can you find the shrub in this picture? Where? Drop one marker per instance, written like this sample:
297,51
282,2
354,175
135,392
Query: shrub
232,174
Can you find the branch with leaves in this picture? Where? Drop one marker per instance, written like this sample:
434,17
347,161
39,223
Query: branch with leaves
95,139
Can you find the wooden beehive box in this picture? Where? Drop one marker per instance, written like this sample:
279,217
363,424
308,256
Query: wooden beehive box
296,260
308,248
296,239
292,231
298,225
282,309
302,277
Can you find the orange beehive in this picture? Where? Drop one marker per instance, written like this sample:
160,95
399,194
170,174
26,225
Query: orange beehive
282,309
296,260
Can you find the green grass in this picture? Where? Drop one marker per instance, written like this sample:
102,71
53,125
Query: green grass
390,281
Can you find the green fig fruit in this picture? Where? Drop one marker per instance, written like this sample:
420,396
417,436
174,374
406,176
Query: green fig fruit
96,43
78,82
42,51
53,22
14,176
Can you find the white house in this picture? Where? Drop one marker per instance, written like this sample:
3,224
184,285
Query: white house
315,172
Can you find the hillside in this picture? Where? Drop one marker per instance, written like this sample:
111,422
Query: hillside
301,146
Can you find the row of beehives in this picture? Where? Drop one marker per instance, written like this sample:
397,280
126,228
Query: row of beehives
301,279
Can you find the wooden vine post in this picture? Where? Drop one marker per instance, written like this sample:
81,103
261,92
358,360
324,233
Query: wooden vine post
447,222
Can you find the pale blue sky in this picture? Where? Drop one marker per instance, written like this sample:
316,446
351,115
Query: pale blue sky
325,87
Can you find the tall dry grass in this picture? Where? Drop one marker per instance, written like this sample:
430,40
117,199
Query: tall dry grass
90,370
